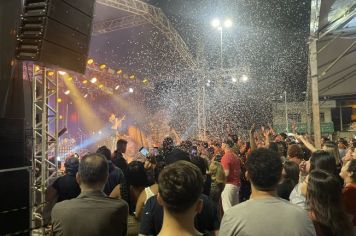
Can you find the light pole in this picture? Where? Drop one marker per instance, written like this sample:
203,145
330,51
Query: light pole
286,109
217,24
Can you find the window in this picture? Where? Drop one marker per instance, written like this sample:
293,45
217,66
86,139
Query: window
322,117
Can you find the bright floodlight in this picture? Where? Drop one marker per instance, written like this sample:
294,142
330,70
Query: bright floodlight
227,23
67,92
234,80
244,78
85,95
130,90
93,80
216,23
62,72
117,87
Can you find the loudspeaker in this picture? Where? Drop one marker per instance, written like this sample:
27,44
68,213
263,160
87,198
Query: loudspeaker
56,32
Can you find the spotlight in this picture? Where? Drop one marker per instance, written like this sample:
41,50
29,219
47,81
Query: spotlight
100,86
50,73
228,23
67,92
216,23
59,100
93,80
85,81
102,66
70,78
131,90
60,117
234,80
37,68
208,84
145,81
117,87
244,78
132,77
99,132
209,81
119,72
90,61
62,72
85,95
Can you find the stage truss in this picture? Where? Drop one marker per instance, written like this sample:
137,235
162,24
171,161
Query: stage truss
45,139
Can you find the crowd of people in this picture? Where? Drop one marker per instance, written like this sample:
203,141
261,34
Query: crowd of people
271,184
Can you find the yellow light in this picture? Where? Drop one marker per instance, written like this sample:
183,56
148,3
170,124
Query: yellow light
85,81
145,81
50,73
60,117
59,100
119,72
90,61
93,80
102,66
67,92
70,78
132,77
37,68
85,95
100,86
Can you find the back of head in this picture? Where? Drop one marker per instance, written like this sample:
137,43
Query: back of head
120,144
177,155
136,174
291,170
157,170
324,201
217,172
200,163
322,160
295,150
93,170
71,165
331,147
352,170
180,186
103,150
264,169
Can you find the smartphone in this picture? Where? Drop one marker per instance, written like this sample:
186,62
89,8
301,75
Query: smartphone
155,151
144,151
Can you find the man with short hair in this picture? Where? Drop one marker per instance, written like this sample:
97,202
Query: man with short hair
232,169
265,213
295,154
119,159
179,188
92,213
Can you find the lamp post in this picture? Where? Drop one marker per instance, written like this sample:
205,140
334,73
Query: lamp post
286,109
217,24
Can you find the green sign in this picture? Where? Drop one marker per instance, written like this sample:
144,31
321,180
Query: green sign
326,128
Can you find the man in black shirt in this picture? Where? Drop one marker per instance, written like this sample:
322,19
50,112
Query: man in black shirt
66,186
119,159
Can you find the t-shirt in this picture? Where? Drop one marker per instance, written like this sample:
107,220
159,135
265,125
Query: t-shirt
116,176
232,163
349,200
268,216
296,197
66,187
152,217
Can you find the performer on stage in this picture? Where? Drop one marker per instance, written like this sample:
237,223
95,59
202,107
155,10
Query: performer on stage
116,124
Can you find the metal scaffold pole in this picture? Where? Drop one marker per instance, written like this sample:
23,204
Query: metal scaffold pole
45,139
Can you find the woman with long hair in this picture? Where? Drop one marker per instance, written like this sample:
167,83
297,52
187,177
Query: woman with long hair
324,204
348,173
218,180
290,178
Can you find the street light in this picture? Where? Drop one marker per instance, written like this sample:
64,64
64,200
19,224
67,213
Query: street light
217,24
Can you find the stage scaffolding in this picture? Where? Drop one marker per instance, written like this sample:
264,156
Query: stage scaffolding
45,139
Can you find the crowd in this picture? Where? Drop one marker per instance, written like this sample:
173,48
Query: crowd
271,184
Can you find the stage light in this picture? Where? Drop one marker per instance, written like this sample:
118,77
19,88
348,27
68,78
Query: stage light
50,73
117,87
244,78
85,81
90,61
70,78
119,72
227,23
59,100
100,86
208,84
60,117
99,132
145,81
37,68
85,95
67,92
209,81
93,80
102,66
216,23
62,72
234,80
131,90
132,77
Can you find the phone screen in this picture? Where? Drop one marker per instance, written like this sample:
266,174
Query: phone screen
144,151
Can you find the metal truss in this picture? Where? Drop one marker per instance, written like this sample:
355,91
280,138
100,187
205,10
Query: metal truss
157,18
107,26
45,138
